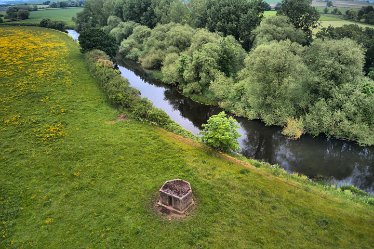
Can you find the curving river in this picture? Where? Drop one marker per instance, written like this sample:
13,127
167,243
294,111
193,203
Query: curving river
336,161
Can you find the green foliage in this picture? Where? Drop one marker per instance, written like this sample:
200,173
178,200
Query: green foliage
237,18
122,95
47,23
132,47
94,38
167,11
123,30
208,57
294,128
113,21
354,190
363,36
164,39
140,11
277,28
365,14
95,14
301,14
335,62
221,132
17,13
273,81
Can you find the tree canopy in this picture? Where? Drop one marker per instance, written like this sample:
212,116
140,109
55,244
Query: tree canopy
94,38
301,14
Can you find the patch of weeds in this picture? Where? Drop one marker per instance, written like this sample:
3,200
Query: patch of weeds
51,132
13,120
323,223
353,190
277,170
257,164
9,211
244,171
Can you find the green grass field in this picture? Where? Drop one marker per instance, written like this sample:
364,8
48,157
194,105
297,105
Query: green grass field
72,176
327,20
64,15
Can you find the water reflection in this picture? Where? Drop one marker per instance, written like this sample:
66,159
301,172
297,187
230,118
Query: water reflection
73,34
337,161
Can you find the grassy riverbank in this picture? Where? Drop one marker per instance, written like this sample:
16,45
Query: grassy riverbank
73,176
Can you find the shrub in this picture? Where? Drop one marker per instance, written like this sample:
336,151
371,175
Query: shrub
94,38
23,14
293,129
220,133
353,190
47,23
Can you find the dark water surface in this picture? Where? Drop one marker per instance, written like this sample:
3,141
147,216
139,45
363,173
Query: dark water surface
336,161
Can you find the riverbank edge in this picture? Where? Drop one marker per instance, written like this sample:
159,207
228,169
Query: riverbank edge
157,75
101,68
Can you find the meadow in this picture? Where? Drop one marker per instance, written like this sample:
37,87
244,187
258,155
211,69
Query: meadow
327,20
74,176
64,15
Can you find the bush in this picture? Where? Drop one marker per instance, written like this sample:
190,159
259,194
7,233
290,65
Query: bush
353,190
47,23
23,14
94,38
220,133
294,128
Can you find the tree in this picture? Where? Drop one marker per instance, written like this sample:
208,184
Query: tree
140,11
97,39
231,17
11,13
301,14
273,82
94,14
123,30
132,47
363,36
335,62
277,28
221,133
23,14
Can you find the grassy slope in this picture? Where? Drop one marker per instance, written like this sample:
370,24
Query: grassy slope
53,14
95,186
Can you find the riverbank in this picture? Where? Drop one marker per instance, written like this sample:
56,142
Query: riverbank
331,161
74,175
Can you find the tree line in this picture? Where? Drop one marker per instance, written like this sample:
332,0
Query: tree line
271,68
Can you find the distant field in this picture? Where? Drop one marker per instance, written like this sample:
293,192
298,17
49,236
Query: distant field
272,1
326,20
53,14
270,13
341,22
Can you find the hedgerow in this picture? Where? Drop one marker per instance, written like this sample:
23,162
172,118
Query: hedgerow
123,96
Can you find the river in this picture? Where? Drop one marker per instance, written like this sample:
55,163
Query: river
332,160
